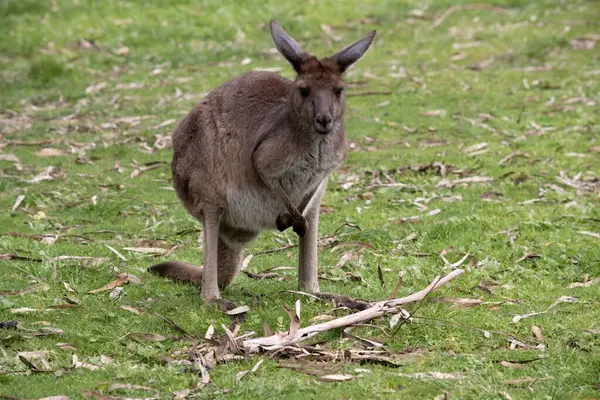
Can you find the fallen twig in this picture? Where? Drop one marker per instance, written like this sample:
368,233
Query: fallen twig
370,93
297,335
28,143
463,7
485,332
277,250
173,324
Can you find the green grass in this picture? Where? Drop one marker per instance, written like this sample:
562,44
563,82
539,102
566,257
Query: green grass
178,51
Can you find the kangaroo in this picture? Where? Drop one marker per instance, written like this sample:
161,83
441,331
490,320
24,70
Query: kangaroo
255,154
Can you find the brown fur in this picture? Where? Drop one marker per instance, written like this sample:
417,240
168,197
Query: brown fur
254,155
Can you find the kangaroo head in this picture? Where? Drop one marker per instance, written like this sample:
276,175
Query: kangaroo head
318,97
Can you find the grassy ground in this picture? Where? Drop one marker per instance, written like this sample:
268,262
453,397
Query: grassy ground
98,81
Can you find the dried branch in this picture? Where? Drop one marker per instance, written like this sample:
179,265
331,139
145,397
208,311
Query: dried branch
463,7
297,335
369,93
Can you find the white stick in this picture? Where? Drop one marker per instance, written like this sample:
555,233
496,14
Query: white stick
378,309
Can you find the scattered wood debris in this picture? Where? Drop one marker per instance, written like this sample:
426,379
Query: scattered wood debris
122,279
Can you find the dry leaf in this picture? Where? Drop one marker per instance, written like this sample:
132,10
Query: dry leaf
165,123
98,396
146,250
18,202
264,276
246,261
519,317
537,333
81,364
106,360
24,310
322,317
508,364
241,374
433,113
95,88
151,337
58,397
68,288
524,380
294,318
116,292
563,299
163,141
32,367
403,315
116,252
483,64
238,310
489,286
258,364
10,157
528,255
460,303
475,147
344,259
45,175
121,280
50,152
204,376
118,386
40,355
435,375
455,264
181,394
209,332
84,261
369,344
30,289
135,310
470,179
589,283
592,234
336,378
582,44
66,346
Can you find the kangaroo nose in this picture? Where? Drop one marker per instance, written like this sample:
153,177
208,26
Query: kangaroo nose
323,122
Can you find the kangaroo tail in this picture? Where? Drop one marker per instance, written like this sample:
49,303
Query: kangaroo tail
178,271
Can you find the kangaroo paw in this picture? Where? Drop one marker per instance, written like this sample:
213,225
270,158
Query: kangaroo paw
284,221
300,227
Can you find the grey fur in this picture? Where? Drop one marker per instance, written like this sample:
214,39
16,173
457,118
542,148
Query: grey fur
255,154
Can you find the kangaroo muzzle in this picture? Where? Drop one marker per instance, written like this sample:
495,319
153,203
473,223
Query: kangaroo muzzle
323,123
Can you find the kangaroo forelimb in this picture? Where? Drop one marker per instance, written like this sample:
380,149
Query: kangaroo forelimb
296,218
285,220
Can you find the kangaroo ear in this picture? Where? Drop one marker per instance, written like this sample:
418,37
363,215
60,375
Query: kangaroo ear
287,46
351,54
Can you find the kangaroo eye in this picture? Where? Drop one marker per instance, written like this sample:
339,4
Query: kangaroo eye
338,91
304,91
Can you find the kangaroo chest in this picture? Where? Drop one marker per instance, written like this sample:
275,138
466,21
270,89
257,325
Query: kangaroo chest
256,207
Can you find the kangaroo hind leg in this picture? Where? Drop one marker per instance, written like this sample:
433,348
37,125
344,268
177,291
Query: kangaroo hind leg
229,262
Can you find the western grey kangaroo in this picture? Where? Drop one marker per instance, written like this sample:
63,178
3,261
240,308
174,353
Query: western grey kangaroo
255,154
